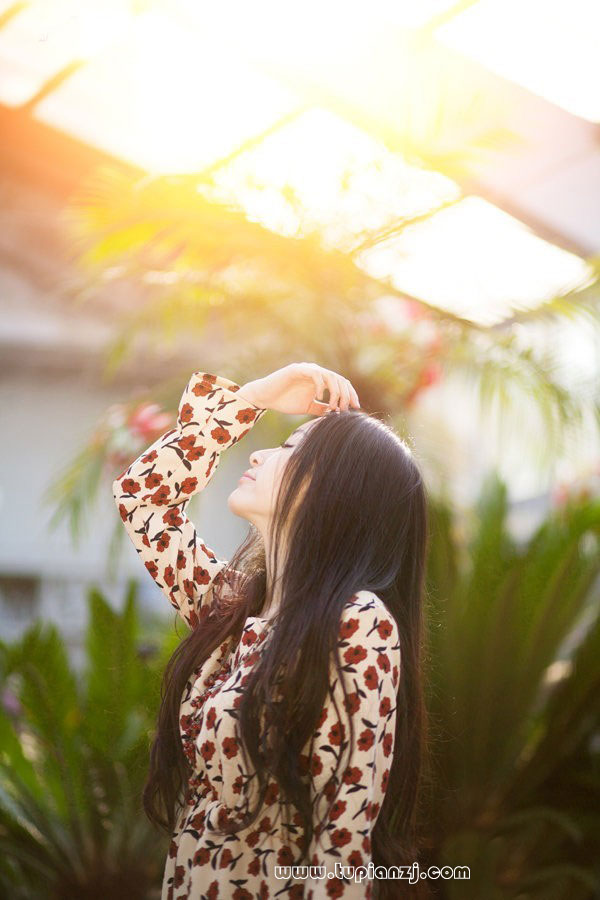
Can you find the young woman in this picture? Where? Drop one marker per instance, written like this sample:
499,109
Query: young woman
290,729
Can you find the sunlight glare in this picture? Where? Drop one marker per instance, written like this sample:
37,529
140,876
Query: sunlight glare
550,47
320,172
477,261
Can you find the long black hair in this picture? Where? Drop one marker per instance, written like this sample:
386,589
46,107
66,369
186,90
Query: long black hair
351,511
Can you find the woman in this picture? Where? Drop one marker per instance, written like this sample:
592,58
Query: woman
290,729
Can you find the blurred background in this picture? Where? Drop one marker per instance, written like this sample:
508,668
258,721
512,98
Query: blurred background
406,193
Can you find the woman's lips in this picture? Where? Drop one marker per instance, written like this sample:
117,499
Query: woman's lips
246,476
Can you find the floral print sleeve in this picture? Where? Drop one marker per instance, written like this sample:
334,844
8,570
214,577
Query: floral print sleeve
369,651
153,492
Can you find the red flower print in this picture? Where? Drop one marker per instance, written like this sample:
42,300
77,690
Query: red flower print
122,511
198,820
355,654
201,857
249,636
341,837
335,888
230,747
238,784
347,628
252,838
336,734
187,441
352,775
213,891
195,453
271,793
254,866
388,741
204,387
207,750
172,850
316,766
153,480
352,703
355,859
186,413
160,496
383,661
385,628
226,855
385,706
188,587
245,416
329,789
145,541
241,893
149,457
220,435
201,575
296,892
265,824
211,717
163,541
189,485
374,811
169,576
366,739
385,780
179,876
322,717
371,678
337,809
173,517
285,856
395,675
130,486
152,568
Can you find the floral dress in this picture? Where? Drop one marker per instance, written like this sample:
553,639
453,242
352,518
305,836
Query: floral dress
152,495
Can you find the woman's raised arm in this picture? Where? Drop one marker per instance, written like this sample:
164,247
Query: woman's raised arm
153,492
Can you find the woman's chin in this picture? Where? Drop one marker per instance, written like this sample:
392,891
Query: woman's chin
234,502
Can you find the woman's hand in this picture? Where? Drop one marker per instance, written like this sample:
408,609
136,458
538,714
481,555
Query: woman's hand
294,389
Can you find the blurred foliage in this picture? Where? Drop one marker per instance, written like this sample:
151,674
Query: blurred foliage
179,269
73,760
514,696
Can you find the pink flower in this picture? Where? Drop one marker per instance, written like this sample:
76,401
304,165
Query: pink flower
147,420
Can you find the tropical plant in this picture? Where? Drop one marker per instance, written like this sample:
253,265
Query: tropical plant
73,760
515,702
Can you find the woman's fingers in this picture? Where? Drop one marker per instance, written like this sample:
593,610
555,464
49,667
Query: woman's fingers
344,394
341,392
334,388
320,385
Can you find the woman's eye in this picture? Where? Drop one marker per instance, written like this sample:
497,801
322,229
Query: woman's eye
287,445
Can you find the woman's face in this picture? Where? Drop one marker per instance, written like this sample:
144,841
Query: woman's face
254,498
